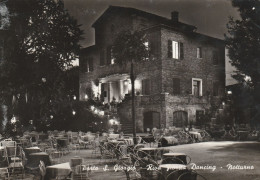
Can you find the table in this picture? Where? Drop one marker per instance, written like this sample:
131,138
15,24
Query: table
174,171
35,158
58,170
195,135
62,142
43,137
174,158
114,136
243,135
168,141
30,150
75,161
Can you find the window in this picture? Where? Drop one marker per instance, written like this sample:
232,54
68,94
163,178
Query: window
199,52
176,86
196,87
102,58
110,58
215,57
88,65
146,87
215,88
146,44
175,50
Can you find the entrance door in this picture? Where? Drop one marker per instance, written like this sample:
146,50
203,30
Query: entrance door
180,119
151,120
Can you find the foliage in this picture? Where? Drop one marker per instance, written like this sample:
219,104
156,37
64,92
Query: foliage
43,42
130,46
243,43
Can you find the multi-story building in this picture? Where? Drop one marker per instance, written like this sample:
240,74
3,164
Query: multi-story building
184,75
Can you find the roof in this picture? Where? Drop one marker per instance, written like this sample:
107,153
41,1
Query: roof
133,11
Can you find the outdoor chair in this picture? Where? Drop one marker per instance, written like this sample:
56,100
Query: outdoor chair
80,173
4,173
142,165
55,157
95,148
106,153
42,169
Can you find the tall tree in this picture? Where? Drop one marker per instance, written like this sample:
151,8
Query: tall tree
129,48
243,44
42,44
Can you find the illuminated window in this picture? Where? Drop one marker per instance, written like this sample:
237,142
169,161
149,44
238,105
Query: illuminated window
199,52
175,50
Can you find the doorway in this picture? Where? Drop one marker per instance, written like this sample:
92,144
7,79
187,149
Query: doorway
151,120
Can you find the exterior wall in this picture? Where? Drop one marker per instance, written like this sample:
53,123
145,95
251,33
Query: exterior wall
159,69
150,69
191,67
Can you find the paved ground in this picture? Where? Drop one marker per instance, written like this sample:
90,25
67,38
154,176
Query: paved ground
218,154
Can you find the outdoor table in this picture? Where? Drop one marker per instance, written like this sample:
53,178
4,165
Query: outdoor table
35,158
75,161
30,150
243,135
58,170
175,158
174,171
114,136
168,141
195,135
62,142
43,137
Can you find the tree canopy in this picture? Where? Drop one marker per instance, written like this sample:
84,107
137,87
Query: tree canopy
243,43
43,40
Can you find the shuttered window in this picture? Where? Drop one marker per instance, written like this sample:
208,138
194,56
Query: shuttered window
176,86
199,52
215,57
110,58
175,50
90,64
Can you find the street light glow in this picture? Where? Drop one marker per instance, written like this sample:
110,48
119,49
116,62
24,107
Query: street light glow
73,112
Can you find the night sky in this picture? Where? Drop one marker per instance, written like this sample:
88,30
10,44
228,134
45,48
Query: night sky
209,16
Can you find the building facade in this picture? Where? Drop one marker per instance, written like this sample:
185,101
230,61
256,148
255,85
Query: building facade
184,76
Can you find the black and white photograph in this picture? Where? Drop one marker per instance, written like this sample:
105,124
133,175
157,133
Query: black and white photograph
130,89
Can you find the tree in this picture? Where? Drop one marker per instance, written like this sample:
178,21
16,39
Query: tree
129,48
243,44
43,42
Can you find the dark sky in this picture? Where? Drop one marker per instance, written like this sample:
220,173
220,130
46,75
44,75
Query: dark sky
209,16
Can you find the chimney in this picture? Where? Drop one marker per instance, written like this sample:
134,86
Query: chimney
175,16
